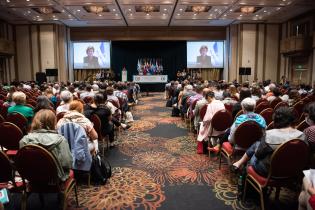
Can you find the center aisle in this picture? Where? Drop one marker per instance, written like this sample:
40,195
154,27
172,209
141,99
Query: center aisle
156,166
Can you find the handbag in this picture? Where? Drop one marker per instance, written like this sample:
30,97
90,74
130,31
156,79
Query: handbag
101,170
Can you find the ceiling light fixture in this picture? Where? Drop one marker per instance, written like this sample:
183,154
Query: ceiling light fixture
45,10
129,9
247,10
147,9
94,9
165,9
8,1
180,9
198,9
114,10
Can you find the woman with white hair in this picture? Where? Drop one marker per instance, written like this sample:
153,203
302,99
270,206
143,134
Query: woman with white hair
248,107
19,98
66,97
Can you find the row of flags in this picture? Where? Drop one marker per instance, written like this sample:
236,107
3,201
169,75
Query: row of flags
149,66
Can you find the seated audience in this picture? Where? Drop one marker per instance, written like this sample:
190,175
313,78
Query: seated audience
19,98
205,127
87,93
43,133
66,98
198,106
75,115
307,196
260,152
42,102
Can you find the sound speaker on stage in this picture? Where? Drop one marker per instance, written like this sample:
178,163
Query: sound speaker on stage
41,77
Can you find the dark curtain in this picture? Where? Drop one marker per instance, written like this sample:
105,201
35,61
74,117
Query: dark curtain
127,53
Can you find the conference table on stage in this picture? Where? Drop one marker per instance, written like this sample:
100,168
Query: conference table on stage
151,83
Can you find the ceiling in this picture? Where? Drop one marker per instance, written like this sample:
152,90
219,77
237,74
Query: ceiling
166,12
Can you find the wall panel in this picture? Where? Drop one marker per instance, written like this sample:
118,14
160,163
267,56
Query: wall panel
47,47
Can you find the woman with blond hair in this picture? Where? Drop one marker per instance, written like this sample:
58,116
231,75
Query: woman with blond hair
43,133
75,115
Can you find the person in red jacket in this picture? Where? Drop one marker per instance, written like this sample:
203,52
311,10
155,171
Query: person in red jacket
307,196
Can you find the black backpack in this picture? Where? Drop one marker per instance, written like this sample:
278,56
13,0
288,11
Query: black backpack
101,170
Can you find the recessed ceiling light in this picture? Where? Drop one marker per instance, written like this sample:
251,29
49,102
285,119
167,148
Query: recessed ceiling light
69,15
178,14
216,10
164,14
284,0
100,15
211,14
53,16
130,14
257,15
27,0
241,15
195,14
78,10
114,10
180,9
165,9
278,8
231,10
8,1
28,12
265,11
63,10
116,14
129,9
224,15
37,16
148,14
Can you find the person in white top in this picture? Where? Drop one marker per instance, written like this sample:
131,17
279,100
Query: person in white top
66,97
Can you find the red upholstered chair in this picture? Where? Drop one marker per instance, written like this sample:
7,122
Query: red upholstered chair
302,126
98,128
262,106
229,107
32,102
261,100
60,115
281,104
270,126
239,113
1,119
221,121
88,100
7,179
4,111
39,167
285,167
203,111
191,114
275,101
10,137
299,107
243,139
267,115
18,120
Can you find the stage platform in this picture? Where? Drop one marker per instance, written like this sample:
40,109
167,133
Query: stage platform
151,83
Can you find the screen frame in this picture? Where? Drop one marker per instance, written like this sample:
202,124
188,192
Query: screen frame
92,41
220,40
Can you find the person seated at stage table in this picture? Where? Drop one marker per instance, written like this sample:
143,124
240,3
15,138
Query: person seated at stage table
19,99
43,133
90,61
260,152
66,98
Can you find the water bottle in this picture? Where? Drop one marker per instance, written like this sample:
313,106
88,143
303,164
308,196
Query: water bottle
240,187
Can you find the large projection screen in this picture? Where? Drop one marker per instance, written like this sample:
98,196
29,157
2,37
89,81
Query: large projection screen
91,55
205,54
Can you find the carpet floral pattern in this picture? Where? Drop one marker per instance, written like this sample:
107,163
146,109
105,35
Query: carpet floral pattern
154,163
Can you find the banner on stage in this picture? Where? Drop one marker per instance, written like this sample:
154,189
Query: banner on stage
150,79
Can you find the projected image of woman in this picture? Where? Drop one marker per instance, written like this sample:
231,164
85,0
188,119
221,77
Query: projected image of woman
203,59
90,61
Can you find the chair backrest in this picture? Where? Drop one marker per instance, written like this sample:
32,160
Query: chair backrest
203,111
97,124
275,101
262,106
289,159
1,119
114,103
270,126
60,115
18,120
32,102
238,114
281,104
229,107
194,104
88,99
10,136
221,120
37,165
267,115
247,133
302,126
299,107
260,101
4,111
7,173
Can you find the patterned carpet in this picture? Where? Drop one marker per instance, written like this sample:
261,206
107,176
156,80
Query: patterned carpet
155,166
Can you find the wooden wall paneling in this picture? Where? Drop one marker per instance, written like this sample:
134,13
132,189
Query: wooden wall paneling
31,52
35,50
249,48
